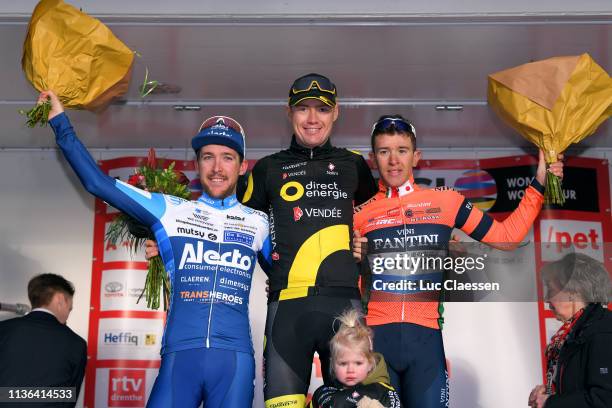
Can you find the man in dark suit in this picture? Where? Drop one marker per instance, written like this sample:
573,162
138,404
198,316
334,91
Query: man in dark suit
39,350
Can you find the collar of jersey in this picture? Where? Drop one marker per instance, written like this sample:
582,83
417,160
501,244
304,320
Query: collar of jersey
219,203
408,187
305,151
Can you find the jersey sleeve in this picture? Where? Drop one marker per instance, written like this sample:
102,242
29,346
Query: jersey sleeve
359,220
264,256
253,192
508,233
145,207
366,186
323,397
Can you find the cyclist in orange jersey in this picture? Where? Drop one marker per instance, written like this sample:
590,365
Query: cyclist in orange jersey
404,219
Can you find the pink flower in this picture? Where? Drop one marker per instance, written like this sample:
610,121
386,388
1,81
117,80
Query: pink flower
152,159
137,180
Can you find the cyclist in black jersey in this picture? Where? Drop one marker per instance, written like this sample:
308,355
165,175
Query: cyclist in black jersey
308,191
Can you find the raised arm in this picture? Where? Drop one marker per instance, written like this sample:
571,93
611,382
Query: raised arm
508,233
146,207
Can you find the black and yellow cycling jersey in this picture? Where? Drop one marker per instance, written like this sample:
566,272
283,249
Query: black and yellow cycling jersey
309,196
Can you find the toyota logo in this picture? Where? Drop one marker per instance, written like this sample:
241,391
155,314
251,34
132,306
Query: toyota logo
113,287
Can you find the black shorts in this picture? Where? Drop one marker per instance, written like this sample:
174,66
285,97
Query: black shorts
295,329
416,363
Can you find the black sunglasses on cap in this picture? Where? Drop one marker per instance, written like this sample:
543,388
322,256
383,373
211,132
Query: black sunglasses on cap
308,82
312,86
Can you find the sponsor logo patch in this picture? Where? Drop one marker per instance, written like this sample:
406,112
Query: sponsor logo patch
113,287
239,237
197,255
297,213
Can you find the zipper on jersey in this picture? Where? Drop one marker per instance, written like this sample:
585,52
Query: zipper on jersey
212,299
402,214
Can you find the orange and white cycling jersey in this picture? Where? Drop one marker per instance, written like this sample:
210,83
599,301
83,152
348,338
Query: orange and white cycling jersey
411,222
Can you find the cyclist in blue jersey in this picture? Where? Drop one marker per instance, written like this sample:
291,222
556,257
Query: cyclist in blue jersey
209,247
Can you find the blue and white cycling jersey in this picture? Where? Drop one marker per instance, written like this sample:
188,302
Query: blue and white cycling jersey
209,247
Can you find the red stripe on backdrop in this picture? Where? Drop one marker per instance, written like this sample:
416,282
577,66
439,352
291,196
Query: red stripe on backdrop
135,162
94,312
605,207
125,265
134,314
540,291
128,363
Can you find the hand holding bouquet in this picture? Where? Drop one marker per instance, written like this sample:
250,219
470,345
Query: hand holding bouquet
153,178
553,103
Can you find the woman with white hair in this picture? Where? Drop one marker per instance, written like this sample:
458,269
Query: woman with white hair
579,356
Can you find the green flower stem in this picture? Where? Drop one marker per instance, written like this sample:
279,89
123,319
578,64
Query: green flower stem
156,278
38,115
554,192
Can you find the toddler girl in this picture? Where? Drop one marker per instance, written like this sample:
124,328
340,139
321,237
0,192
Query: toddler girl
361,377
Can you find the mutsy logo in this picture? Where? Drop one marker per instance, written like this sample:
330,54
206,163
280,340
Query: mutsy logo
126,388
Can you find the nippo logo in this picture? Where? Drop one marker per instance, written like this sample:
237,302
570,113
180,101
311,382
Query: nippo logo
126,388
297,213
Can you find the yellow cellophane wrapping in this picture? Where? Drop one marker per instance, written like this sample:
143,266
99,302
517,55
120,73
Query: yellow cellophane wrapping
553,103
76,56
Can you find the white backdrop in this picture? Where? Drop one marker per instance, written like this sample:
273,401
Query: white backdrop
46,225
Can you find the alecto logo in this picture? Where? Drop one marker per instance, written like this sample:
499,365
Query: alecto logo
197,255
126,388
297,213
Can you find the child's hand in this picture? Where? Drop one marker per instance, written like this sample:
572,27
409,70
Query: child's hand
367,402
360,246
